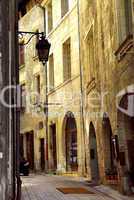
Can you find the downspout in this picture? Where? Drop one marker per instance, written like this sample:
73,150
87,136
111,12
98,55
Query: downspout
46,91
81,86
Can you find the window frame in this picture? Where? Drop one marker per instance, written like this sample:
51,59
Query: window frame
49,17
51,74
124,17
66,53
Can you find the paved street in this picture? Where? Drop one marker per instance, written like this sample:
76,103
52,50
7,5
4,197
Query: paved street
41,187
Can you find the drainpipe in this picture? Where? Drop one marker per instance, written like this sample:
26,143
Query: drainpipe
46,91
81,85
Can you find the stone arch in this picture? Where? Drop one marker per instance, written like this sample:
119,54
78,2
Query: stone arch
125,122
126,128
107,142
70,142
93,153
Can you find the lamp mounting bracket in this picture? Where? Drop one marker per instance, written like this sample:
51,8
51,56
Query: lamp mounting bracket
21,35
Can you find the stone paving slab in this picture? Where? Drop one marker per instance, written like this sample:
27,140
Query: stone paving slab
40,187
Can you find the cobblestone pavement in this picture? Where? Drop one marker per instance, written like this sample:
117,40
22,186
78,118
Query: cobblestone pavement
43,187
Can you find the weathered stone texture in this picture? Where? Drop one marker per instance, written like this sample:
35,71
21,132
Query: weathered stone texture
67,94
102,73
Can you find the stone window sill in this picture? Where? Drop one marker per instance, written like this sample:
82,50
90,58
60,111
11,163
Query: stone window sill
63,84
124,48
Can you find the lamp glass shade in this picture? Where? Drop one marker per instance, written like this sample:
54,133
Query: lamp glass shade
43,48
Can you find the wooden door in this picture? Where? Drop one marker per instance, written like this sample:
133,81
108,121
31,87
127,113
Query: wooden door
71,144
54,149
30,148
131,153
42,151
21,146
71,150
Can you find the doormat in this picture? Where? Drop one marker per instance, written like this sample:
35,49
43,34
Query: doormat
74,191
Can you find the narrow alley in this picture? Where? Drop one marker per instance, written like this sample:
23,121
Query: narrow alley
46,187
67,99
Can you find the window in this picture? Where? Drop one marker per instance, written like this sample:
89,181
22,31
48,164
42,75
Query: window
64,7
92,154
23,97
124,12
49,16
37,82
51,72
67,60
21,55
40,125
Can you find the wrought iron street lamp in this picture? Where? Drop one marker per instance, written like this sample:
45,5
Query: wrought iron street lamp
43,48
42,45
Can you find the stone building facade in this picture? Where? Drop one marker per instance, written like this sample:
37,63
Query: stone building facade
106,34
65,149
65,125
32,83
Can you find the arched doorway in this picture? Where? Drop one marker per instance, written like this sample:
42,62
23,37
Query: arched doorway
30,148
93,153
126,135
107,142
71,143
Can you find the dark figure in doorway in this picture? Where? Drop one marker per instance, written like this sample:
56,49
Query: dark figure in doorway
131,178
24,167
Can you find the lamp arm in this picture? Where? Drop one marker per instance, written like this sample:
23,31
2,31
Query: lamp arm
28,40
31,33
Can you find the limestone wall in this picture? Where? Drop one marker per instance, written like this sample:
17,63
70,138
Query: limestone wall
105,75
